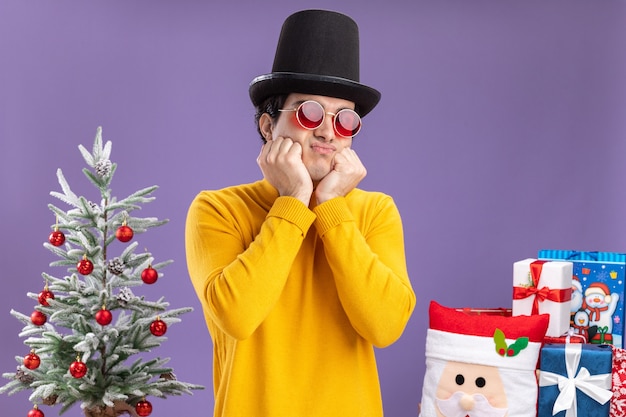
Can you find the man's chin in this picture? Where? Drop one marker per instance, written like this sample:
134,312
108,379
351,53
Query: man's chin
318,173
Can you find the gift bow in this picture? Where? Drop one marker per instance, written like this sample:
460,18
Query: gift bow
597,387
581,255
542,293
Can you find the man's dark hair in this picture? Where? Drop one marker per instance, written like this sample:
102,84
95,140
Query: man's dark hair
270,105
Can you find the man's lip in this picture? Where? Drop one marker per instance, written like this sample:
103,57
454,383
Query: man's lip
324,147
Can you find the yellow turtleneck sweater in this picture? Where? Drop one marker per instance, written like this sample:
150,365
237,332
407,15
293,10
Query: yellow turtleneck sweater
295,298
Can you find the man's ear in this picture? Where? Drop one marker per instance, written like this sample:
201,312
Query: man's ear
266,125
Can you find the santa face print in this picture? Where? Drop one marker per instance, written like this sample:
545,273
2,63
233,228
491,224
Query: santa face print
470,390
577,297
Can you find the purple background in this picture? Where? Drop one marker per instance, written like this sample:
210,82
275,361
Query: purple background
502,130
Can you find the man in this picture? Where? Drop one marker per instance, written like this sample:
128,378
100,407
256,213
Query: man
301,274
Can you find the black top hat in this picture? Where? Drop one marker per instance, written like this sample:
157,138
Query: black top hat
317,53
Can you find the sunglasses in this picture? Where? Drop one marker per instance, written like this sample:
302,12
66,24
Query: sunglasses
310,115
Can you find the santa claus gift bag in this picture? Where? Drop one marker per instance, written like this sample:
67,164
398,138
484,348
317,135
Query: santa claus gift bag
597,304
481,365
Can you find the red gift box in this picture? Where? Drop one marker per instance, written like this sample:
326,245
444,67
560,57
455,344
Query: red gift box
618,376
506,312
570,337
573,338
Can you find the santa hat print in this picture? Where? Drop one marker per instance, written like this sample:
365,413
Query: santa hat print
504,342
598,288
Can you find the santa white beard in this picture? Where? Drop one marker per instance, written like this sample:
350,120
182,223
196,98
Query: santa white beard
452,407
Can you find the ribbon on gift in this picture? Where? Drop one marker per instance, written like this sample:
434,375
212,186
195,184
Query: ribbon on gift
597,387
582,255
540,294
571,333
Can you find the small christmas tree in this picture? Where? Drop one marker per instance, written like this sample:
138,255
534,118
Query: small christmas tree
87,327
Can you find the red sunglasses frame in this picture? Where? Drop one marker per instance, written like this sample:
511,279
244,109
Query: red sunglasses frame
314,125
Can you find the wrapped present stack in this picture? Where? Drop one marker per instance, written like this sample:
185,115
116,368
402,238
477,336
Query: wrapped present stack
597,302
544,287
558,351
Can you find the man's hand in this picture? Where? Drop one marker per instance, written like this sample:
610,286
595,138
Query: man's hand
280,161
347,173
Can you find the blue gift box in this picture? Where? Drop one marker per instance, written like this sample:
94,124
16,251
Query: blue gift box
575,380
600,276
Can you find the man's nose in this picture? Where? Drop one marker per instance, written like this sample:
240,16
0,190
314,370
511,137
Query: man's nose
327,129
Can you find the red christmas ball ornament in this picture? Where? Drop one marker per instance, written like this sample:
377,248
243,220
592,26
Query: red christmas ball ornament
78,369
35,412
158,327
38,318
56,238
143,408
149,275
85,266
124,233
32,361
104,316
44,295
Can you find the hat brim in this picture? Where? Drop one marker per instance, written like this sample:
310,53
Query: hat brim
277,83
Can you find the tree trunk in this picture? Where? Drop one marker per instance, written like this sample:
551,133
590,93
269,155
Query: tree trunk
119,408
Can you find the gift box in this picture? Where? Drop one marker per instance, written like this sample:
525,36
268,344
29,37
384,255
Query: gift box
543,287
597,305
618,402
496,311
575,380
570,337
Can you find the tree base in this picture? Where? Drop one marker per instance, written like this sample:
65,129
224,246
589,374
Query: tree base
119,408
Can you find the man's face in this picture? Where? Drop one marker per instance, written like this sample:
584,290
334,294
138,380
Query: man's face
319,145
470,390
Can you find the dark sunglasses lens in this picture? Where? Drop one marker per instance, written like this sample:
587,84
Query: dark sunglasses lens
347,123
310,114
